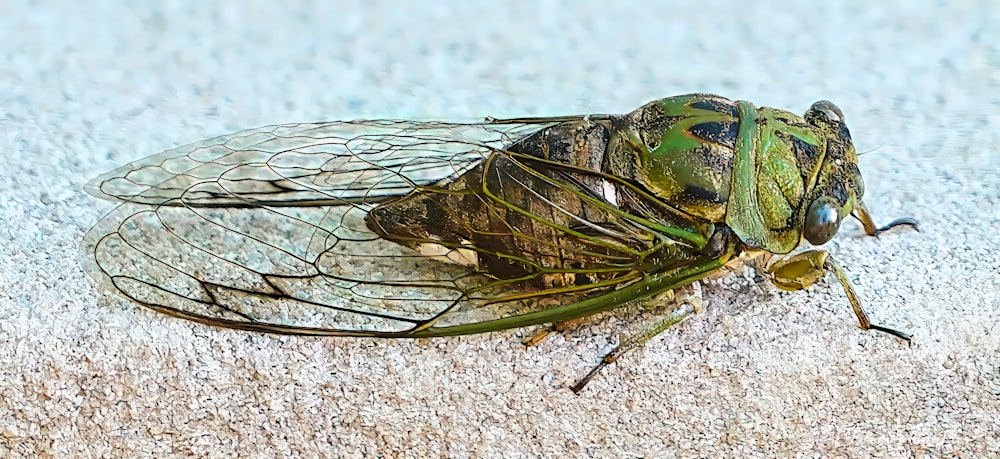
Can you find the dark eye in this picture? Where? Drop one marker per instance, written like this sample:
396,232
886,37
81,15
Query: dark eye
824,111
822,220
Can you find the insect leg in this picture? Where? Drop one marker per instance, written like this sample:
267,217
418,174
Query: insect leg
676,278
688,294
856,303
557,327
861,213
638,340
807,268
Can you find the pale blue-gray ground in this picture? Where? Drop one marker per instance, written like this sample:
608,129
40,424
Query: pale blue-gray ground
87,86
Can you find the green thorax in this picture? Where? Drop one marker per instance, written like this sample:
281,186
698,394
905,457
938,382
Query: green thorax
754,169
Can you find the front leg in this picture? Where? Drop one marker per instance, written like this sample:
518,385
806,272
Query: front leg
861,213
807,268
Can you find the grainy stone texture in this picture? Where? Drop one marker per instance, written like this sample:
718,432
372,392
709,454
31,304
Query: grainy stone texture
86,86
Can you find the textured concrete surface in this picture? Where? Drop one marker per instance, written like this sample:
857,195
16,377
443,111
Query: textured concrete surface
86,86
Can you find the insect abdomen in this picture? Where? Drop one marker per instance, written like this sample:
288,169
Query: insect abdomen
513,207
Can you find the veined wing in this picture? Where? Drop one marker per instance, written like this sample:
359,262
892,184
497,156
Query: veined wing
266,230
317,164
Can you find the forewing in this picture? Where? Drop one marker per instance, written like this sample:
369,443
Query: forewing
265,230
332,163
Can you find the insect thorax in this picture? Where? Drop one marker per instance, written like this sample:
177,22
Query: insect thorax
690,151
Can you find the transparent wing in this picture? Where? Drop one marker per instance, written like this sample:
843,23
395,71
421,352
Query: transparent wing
266,230
332,163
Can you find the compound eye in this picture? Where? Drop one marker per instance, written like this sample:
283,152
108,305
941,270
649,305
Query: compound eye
824,111
822,220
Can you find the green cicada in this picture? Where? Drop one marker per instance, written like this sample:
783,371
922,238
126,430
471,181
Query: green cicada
404,229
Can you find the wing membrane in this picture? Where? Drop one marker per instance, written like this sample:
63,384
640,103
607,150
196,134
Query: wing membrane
330,163
266,230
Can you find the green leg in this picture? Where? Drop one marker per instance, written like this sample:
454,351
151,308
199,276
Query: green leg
688,294
807,268
679,277
682,301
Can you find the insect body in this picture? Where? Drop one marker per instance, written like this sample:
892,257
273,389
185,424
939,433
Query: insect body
417,229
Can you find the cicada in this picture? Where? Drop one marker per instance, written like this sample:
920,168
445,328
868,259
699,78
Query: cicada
405,229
